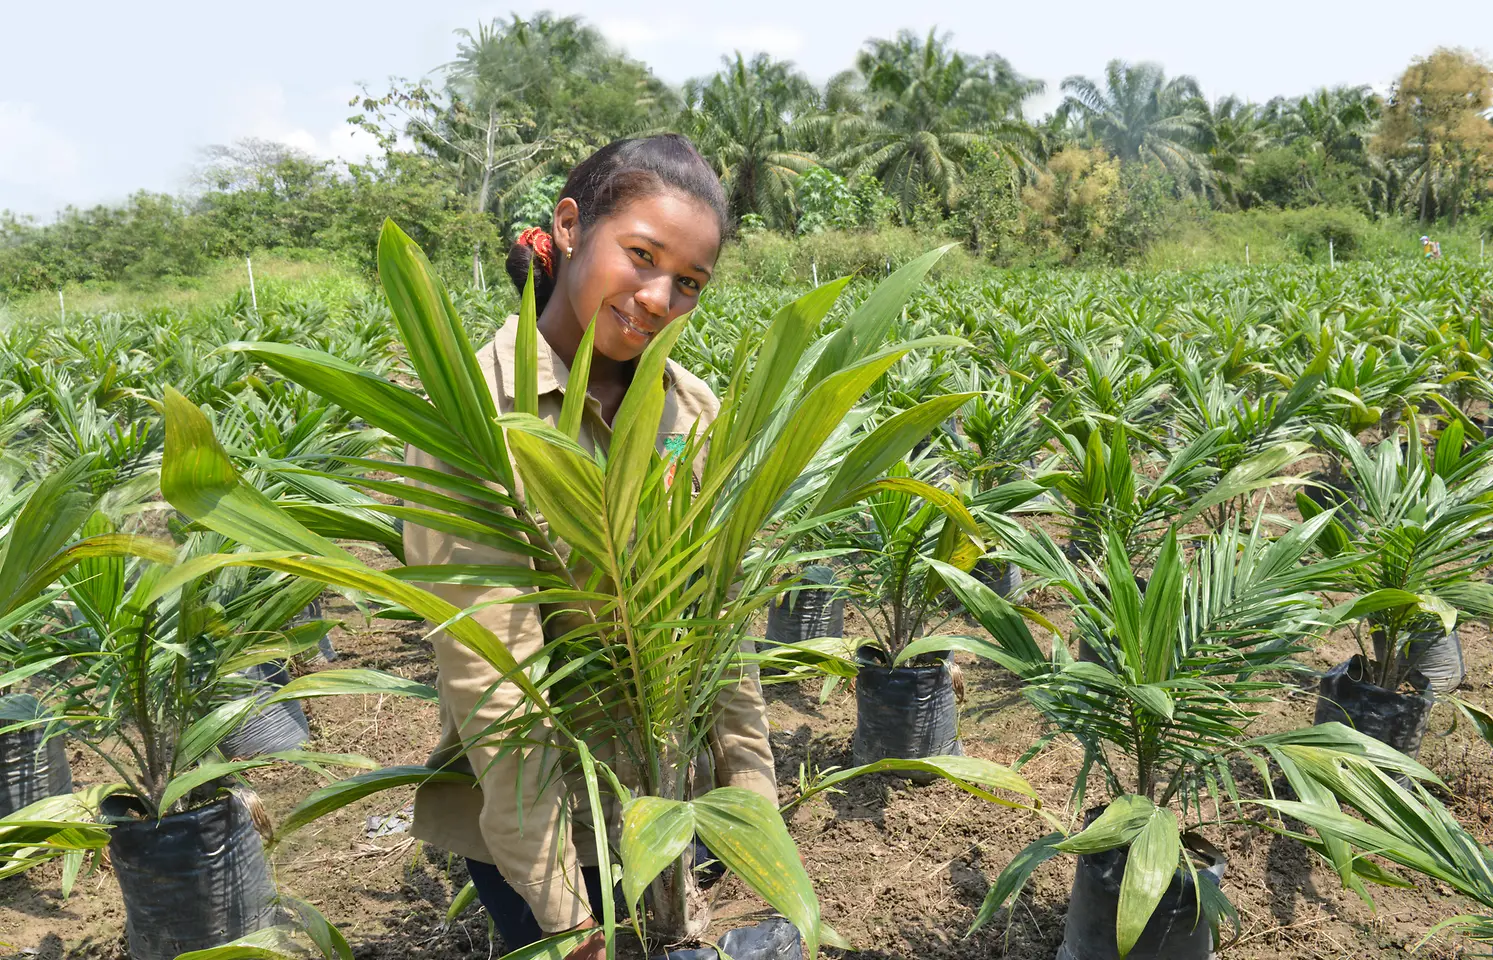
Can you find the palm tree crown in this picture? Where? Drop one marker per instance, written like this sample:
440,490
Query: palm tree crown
1141,115
742,121
916,108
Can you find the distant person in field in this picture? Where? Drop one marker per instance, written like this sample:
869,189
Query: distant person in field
632,242
1431,248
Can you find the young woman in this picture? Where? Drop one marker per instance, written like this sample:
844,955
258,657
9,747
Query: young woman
635,237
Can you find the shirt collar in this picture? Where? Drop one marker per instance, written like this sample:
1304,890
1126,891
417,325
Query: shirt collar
553,375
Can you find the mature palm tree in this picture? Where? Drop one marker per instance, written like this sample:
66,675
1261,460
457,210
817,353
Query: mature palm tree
1239,132
742,120
1337,120
917,107
1141,115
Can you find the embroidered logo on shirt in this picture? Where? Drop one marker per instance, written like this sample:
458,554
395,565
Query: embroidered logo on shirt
674,448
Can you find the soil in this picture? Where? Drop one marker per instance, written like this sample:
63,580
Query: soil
900,869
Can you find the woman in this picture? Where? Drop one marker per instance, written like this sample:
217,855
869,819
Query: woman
636,232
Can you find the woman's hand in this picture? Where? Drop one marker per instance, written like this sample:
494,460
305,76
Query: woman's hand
593,947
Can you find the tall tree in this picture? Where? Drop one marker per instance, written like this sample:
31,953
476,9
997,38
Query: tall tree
1138,114
1436,131
919,107
1239,131
742,120
522,98
1337,120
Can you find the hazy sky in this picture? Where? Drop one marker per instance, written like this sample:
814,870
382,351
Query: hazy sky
98,99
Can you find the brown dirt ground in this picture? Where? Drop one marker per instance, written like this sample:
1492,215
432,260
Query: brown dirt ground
900,870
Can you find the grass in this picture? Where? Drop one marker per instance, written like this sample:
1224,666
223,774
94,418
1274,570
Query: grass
1277,237
291,275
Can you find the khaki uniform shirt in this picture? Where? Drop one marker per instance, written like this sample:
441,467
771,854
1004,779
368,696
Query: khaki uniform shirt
537,852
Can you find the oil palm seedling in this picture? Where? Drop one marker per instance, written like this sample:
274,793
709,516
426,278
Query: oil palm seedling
1250,423
1000,438
1367,386
1000,431
1161,714
659,582
905,689
1403,823
1105,384
149,680
39,522
1418,520
1102,489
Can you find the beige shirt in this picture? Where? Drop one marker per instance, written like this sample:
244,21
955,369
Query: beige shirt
537,852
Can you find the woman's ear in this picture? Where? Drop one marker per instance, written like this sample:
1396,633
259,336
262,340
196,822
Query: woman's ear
567,226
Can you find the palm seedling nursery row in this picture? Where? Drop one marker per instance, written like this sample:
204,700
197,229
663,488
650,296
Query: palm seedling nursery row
1097,615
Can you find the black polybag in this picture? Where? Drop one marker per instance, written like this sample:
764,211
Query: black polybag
808,611
1348,696
1436,654
191,880
33,759
280,726
1176,931
904,712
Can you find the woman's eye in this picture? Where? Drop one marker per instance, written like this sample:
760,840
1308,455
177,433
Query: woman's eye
643,254
689,284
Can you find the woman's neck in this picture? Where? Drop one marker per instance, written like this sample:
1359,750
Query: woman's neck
608,380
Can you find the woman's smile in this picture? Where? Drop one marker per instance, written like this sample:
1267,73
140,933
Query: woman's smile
631,327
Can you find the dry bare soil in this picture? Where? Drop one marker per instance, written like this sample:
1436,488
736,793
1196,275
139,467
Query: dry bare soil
900,869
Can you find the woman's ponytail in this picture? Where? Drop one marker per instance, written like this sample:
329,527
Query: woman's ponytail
537,248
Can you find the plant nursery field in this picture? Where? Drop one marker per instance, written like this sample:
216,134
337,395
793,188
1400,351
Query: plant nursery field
1217,487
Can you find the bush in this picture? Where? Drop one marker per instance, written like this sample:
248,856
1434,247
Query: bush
1070,206
1149,207
774,258
987,215
1312,230
825,202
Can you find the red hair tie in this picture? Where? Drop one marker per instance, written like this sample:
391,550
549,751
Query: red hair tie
543,245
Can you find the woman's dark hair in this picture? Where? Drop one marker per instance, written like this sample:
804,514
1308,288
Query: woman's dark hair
616,175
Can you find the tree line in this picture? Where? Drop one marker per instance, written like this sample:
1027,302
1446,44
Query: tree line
916,133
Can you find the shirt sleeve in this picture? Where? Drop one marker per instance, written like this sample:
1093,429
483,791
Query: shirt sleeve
531,847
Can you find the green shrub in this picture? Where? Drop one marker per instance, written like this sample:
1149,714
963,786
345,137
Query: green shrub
768,257
1315,230
825,202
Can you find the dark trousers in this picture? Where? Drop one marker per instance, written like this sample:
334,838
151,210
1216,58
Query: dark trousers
510,913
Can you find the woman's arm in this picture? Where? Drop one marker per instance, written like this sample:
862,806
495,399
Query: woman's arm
738,742
534,851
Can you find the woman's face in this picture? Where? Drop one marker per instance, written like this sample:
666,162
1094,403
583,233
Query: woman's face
639,269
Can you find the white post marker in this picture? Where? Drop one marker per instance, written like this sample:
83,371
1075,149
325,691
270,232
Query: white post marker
1246,254
253,297
1331,260
814,266
62,306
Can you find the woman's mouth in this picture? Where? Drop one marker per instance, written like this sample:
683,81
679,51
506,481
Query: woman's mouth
630,326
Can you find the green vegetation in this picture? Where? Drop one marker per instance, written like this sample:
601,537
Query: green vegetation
1152,418
1134,168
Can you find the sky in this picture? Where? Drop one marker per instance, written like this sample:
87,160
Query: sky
100,98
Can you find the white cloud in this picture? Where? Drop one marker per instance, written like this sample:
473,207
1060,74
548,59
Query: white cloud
261,112
34,154
637,35
780,42
631,34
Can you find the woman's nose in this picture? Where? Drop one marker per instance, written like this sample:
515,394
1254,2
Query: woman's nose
653,296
